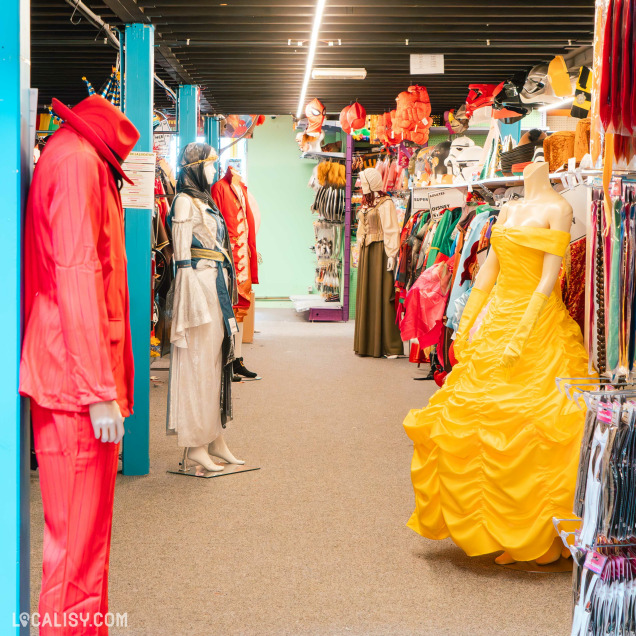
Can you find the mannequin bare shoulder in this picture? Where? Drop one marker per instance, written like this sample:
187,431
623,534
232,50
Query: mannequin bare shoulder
560,213
181,207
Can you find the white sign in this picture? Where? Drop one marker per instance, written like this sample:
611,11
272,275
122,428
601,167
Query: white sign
445,198
420,199
427,64
140,169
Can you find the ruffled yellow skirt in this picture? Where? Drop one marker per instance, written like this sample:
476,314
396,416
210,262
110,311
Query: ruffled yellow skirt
496,450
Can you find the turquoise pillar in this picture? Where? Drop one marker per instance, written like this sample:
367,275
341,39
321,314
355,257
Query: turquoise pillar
16,160
138,77
188,115
212,129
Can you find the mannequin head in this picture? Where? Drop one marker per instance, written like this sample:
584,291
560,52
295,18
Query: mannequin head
196,170
370,180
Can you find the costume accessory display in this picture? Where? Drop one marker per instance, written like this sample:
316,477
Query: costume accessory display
603,546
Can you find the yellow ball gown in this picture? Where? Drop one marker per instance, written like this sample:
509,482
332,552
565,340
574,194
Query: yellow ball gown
496,450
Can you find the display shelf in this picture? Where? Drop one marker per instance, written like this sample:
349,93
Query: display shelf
323,155
555,176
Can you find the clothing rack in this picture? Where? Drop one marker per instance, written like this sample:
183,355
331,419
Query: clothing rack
604,561
333,311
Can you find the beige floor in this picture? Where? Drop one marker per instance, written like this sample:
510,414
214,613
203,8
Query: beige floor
315,542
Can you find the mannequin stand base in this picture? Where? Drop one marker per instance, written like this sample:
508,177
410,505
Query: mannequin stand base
558,567
199,471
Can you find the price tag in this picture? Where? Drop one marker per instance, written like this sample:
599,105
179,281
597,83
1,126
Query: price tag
595,562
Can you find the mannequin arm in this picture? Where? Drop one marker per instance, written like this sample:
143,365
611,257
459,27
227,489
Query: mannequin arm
75,217
390,228
485,281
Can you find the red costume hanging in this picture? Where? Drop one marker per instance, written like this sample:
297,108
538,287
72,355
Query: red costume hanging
77,350
235,208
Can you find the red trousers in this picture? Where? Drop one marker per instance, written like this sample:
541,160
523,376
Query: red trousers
77,480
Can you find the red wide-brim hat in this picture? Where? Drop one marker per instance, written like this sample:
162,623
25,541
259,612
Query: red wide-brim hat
102,124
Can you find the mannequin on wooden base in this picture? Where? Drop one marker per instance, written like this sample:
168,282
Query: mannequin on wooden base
496,450
203,324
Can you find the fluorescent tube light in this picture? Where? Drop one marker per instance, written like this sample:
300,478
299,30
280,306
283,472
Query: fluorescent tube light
339,73
547,107
320,7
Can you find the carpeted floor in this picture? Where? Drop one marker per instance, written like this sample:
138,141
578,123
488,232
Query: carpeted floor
315,542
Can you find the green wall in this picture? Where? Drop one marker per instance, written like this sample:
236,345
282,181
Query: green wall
278,178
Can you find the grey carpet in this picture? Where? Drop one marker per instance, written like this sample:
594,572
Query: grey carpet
315,542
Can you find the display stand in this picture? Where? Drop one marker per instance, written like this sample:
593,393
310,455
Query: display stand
338,312
191,469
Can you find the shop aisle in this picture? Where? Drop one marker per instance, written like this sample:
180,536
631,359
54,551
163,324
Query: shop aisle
316,541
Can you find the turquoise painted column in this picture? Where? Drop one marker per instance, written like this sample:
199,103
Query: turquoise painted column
138,77
212,130
15,172
188,115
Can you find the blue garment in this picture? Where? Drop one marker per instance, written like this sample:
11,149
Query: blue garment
453,314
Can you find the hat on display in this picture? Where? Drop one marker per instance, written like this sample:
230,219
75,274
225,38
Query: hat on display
344,122
582,94
537,88
356,116
479,95
507,105
559,77
371,179
315,112
111,133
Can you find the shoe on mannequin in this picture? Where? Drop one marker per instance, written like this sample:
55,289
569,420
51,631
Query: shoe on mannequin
505,559
200,456
218,448
553,554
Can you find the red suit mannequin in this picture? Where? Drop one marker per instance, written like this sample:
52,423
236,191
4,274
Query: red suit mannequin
230,195
77,363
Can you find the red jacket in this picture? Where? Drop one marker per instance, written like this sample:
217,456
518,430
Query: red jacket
77,345
229,206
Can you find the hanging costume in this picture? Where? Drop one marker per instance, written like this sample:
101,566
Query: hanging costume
199,399
233,202
496,449
77,347
376,333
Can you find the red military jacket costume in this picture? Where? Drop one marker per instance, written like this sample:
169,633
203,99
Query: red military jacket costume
245,261
77,346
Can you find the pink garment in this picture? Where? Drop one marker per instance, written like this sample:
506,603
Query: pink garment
425,304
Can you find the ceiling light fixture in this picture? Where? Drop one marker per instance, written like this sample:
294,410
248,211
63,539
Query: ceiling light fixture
320,7
339,73
547,107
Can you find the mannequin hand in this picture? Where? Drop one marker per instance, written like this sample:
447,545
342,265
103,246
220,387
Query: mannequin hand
108,424
509,358
390,264
459,344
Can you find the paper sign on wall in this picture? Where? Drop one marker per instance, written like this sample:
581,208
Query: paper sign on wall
427,64
140,169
